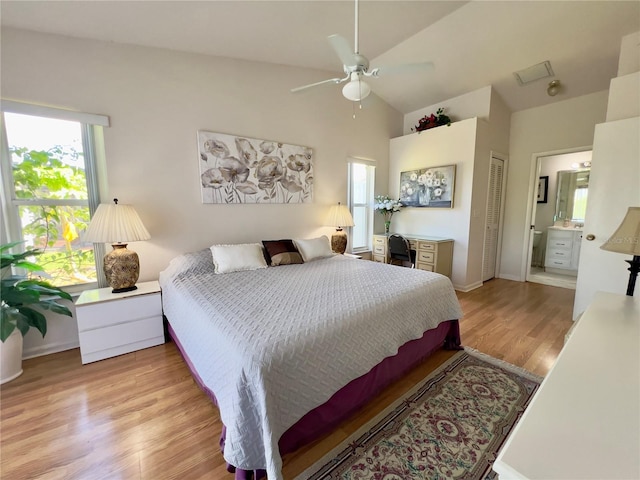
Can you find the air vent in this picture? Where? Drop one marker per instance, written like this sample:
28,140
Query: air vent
536,72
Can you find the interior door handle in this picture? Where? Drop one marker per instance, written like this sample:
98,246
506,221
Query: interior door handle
590,237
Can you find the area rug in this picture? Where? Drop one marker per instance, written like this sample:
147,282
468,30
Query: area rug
449,426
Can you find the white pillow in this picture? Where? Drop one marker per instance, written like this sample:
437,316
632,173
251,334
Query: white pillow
314,248
235,258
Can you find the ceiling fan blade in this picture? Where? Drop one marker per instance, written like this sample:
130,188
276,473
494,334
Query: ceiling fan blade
406,68
304,87
343,49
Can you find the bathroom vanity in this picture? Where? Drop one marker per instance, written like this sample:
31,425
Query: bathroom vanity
563,250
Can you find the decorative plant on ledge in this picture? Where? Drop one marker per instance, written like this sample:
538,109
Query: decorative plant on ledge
20,294
432,121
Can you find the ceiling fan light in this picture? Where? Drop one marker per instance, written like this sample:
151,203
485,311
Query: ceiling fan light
356,90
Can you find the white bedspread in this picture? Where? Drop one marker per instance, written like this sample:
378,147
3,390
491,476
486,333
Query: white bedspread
273,344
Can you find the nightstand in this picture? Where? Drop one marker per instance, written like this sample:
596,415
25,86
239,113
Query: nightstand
111,324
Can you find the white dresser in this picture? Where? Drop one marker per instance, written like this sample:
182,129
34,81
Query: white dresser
111,324
563,250
584,421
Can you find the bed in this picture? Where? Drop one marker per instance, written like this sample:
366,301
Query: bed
287,352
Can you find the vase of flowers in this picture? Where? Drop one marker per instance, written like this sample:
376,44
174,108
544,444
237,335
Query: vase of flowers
387,207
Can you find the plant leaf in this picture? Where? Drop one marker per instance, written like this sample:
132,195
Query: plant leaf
44,287
32,318
55,307
8,319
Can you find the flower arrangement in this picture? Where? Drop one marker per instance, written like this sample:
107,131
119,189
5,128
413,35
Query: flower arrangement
431,121
387,207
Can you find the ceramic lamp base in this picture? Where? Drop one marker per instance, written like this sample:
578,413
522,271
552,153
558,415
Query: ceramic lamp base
339,242
122,268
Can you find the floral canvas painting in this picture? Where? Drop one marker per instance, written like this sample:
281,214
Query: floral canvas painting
428,187
236,169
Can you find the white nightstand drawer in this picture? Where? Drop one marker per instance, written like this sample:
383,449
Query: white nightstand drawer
104,314
119,339
379,250
379,258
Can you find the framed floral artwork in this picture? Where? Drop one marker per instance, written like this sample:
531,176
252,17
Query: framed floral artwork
235,169
428,187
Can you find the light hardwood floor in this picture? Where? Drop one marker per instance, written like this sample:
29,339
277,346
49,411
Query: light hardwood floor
141,416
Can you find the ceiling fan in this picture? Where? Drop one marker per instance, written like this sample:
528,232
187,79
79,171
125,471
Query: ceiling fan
356,66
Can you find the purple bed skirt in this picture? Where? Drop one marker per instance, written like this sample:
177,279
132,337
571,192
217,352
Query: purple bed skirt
352,396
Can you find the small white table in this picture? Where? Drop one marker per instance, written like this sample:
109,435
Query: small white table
111,324
584,421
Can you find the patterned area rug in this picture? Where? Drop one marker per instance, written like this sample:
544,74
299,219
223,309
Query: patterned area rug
450,426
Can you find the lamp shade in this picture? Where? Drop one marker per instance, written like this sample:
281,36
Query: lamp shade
356,89
339,216
116,223
626,239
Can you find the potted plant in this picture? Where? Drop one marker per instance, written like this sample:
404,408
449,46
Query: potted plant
23,300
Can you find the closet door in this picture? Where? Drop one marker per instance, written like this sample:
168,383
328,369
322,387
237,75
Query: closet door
492,224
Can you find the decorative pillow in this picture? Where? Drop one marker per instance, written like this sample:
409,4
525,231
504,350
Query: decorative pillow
235,258
281,252
314,248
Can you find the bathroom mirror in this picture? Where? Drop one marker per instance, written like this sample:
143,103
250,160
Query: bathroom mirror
572,191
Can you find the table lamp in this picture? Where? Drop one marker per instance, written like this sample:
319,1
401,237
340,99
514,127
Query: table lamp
118,224
339,216
626,240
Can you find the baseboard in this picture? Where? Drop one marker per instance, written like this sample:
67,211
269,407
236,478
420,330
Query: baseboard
467,288
505,276
48,349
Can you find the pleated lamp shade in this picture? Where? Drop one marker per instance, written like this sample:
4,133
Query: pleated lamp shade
626,240
118,224
339,216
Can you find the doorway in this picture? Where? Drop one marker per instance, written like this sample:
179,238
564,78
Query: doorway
557,217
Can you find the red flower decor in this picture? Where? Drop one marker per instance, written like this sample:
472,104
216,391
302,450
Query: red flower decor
432,120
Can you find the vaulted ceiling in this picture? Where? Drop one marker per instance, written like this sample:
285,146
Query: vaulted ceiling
472,44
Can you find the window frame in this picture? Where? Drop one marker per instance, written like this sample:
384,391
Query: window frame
91,133
368,205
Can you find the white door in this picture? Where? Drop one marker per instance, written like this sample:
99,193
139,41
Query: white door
492,224
614,186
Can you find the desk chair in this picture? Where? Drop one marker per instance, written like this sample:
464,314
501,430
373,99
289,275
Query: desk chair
400,251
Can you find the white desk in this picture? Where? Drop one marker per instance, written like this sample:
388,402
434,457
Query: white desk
584,421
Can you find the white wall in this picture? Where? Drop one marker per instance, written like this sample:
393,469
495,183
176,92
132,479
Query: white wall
158,99
629,60
559,126
440,146
469,105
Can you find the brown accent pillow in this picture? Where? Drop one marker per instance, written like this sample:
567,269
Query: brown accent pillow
281,252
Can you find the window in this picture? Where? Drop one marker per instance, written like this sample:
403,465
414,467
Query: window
361,180
49,187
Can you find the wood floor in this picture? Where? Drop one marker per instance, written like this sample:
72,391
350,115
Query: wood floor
141,416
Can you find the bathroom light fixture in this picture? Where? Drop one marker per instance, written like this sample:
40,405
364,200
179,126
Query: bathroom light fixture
626,240
553,88
356,89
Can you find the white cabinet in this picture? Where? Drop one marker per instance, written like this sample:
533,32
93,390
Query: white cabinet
111,324
583,421
563,250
